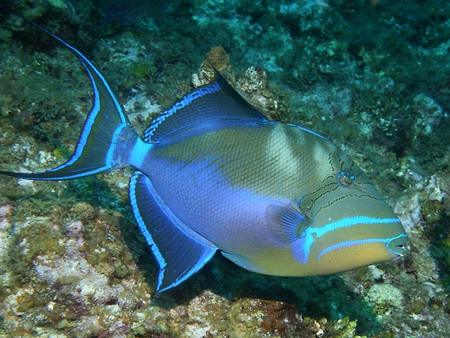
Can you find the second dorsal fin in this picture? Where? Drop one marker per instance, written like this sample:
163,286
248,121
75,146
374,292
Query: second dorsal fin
209,107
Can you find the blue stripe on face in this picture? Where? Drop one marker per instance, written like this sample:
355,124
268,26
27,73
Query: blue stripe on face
347,244
302,247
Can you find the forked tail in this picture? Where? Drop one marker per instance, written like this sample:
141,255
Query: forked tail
106,138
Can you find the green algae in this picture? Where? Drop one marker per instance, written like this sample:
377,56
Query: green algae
344,328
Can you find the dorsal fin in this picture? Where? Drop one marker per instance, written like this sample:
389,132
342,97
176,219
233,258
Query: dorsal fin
209,107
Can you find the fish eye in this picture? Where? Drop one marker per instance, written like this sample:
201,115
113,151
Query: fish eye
345,179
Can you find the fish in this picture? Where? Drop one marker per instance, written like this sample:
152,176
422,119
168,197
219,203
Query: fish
212,173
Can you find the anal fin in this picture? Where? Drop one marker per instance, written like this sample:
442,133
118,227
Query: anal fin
179,251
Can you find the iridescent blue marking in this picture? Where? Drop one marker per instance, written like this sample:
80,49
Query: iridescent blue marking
345,179
188,99
87,66
310,131
176,238
96,107
162,229
109,160
138,153
311,234
139,220
347,244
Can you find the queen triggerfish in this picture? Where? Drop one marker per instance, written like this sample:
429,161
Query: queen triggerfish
213,173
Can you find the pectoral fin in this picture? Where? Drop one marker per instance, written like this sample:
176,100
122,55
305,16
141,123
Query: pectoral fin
286,222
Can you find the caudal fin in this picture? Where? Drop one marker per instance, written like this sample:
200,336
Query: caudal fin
106,132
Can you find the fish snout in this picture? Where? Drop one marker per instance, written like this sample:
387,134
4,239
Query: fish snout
397,245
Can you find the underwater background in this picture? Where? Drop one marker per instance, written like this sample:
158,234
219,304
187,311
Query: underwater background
372,76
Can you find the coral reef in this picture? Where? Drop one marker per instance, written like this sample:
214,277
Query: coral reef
373,76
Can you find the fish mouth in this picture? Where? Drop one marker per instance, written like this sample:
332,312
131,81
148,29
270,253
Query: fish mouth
397,245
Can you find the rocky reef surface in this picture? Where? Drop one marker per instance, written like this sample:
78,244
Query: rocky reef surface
372,76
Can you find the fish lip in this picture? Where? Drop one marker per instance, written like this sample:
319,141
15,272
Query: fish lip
397,244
